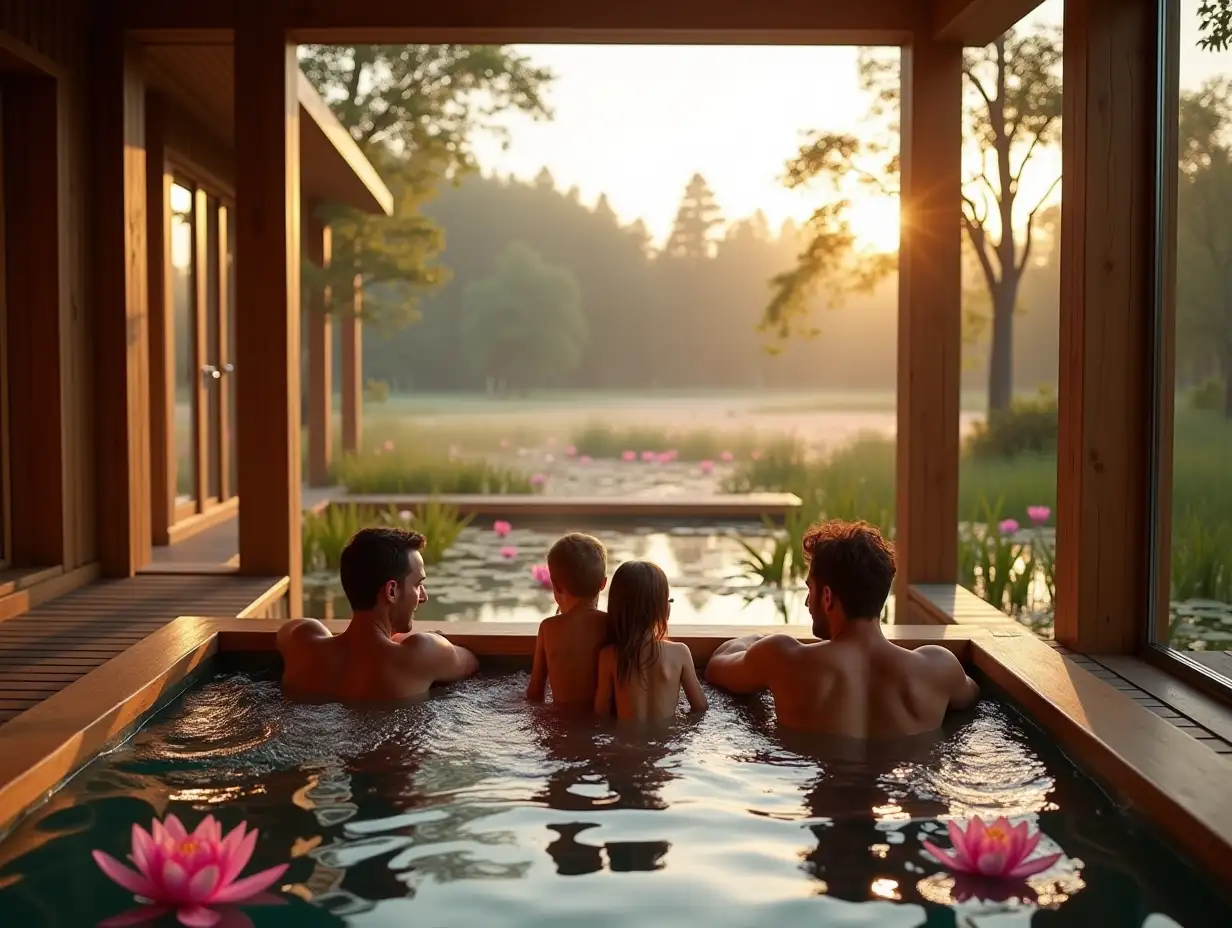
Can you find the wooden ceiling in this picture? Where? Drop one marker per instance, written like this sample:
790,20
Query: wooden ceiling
200,80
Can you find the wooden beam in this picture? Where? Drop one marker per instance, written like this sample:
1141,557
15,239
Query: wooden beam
353,372
121,359
318,247
1107,268
977,22
494,21
32,200
268,299
929,316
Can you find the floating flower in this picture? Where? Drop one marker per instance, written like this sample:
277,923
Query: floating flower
628,455
664,457
707,467
189,872
755,455
538,480
998,851
389,446
1008,527
541,573
504,444
584,459
508,552
672,454
648,456
727,457
405,515
570,450
502,528
1038,514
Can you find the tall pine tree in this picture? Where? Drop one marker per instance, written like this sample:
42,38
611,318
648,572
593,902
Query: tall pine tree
696,220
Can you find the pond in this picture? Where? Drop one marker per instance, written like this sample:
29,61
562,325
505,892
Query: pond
487,578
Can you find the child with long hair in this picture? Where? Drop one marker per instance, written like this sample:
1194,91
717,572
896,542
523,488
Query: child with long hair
640,671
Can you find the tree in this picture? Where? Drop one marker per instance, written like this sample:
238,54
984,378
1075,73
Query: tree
1204,233
523,325
1215,25
696,220
1013,108
412,109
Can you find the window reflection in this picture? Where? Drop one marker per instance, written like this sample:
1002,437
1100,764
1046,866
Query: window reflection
183,294
1197,495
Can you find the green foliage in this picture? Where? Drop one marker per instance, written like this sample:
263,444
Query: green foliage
419,473
326,533
1215,25
607,441
1028,426
784,564
376,391
524,324
1201,558
413,110
440,524
1208,396
691,236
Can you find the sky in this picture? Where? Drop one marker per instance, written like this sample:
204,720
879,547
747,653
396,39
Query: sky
635,122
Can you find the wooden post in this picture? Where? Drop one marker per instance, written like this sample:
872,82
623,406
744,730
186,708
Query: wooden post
320,323
353,373
121,358
929,317
1107,261
267,269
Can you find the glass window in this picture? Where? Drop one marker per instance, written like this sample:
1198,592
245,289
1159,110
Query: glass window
1193,602
184,307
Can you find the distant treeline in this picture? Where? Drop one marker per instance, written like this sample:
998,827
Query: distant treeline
658,320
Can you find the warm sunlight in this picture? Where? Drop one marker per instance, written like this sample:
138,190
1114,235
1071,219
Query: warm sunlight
875,223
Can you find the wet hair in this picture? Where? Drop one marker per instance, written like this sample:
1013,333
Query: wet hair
855,562
578,565
372,558
637,613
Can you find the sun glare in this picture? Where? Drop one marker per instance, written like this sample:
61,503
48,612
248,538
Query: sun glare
875,223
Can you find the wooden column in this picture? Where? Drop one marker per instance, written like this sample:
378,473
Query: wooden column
161,323
121,347
318,245
929,316
1107,229
267,187
353,373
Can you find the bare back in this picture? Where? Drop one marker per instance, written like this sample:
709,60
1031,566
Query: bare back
364,668
567,655
656,697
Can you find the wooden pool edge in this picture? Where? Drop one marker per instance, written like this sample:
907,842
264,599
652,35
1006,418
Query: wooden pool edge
1167,777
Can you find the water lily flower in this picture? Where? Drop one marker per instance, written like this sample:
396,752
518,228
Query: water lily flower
538,480
755,455
628,456
570,450
190,872
405,515
508,552
998,851
584,459
727,457
1008,527
665,457
672,454
648,455
502,528
541,573
504,444
707,467
389,446
1038,514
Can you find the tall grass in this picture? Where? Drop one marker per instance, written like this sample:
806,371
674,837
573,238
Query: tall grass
408,471
326,534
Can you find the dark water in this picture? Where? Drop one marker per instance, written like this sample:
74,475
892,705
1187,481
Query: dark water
476,809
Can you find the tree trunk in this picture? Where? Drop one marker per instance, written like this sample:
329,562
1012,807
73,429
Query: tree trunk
1001,357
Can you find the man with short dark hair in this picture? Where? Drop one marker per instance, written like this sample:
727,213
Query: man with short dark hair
857,683
377,657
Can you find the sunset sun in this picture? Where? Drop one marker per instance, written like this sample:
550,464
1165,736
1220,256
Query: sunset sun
875,223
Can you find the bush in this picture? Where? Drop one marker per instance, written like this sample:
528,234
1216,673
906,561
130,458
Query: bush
1206,396
407,472
376,391
1029,426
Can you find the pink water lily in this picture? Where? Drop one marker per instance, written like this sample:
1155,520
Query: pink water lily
541,573
190,872
584,459
665,457
501,528
1008,527
508,552
1038,514
570,450
996,851
389,446
727,457
648,455
538,480
628,455
755,455
707,467
504,443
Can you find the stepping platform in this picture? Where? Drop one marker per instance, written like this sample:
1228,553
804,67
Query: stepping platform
714,506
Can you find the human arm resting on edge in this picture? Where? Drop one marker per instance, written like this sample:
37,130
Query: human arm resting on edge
692,687
442,660
539,671
603,692
748,664
963,692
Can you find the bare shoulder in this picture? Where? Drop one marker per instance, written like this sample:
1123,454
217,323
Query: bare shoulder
297,630
424,641
939,659
679,650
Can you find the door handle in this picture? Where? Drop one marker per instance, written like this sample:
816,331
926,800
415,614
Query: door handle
210,372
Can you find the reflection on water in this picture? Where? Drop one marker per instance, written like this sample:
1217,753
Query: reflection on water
703,561
474,808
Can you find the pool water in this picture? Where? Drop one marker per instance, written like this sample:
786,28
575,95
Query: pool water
476,582
474,808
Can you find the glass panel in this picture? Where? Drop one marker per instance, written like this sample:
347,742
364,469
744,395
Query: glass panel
183,293
230,377
1196,492
213,359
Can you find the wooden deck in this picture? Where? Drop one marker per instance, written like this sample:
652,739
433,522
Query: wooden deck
52,645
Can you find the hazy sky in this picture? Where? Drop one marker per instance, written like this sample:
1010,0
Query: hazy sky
635,122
